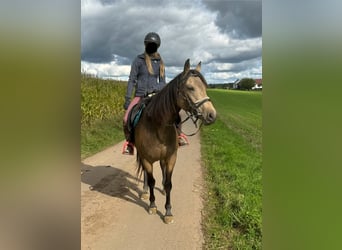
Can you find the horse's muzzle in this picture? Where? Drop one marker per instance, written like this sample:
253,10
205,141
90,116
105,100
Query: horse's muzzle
209,117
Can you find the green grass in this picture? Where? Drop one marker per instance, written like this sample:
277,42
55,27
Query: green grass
231,152
101,135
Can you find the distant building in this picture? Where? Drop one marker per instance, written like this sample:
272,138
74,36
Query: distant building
258,84
236,84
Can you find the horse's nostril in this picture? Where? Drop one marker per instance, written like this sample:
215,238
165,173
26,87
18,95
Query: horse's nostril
211,117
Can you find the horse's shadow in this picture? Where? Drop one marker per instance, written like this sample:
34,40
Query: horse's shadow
115,182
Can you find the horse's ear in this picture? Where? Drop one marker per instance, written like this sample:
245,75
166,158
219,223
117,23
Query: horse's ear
186,66
198,67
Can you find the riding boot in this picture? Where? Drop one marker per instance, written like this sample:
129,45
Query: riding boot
128,147
126,131
182,139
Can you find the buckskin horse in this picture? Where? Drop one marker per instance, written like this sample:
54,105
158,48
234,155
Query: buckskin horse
155,134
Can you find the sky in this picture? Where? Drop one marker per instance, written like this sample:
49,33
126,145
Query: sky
225,35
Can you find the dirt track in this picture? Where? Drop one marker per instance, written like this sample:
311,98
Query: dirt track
114,217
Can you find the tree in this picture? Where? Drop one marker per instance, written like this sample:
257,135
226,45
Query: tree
246,83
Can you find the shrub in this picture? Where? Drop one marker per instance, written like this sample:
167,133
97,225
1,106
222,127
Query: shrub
246,83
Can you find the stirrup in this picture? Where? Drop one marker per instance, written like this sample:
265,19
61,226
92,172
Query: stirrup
182,140
128,148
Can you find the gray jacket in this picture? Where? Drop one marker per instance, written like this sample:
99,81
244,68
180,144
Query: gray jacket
141,79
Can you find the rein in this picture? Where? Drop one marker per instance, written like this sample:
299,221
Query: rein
194,120
195,114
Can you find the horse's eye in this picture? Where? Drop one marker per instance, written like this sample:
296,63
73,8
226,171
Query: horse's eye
190,88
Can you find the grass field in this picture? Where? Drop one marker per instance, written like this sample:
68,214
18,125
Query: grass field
231,152
101,113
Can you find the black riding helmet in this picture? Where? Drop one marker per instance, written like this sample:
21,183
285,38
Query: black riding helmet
152,37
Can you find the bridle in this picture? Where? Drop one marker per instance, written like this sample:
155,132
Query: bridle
194,113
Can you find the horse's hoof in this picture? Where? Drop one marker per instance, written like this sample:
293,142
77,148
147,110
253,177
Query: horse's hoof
152,210
144,196
168,219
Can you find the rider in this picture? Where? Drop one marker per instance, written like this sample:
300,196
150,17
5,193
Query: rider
147,76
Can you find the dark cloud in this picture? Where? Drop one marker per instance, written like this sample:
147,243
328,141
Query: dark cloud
106,34
241,19
214,32
238,58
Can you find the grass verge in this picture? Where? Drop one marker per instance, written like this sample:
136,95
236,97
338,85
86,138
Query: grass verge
231,152
100,135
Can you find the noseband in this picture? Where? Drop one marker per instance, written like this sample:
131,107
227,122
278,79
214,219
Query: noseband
194,106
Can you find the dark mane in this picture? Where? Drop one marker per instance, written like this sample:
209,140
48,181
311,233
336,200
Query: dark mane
164,103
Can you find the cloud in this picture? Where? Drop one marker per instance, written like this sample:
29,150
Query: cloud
112,34
240,19
106,70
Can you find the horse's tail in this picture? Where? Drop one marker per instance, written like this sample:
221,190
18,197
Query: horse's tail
139,167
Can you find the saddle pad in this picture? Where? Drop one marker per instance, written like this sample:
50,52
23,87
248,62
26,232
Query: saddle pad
134,115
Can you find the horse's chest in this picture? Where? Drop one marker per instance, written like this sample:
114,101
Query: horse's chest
156,143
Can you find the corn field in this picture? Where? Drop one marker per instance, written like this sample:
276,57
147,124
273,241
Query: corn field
101,99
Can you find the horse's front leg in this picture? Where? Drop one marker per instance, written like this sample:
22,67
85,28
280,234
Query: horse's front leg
168,218
148,169
151,182
144,194
163,167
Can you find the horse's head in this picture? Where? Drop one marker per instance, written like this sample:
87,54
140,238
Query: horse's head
193,93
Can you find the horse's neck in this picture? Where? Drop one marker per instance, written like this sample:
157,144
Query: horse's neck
172,118
168,120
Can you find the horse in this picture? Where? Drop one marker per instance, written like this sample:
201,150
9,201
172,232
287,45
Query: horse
155,134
